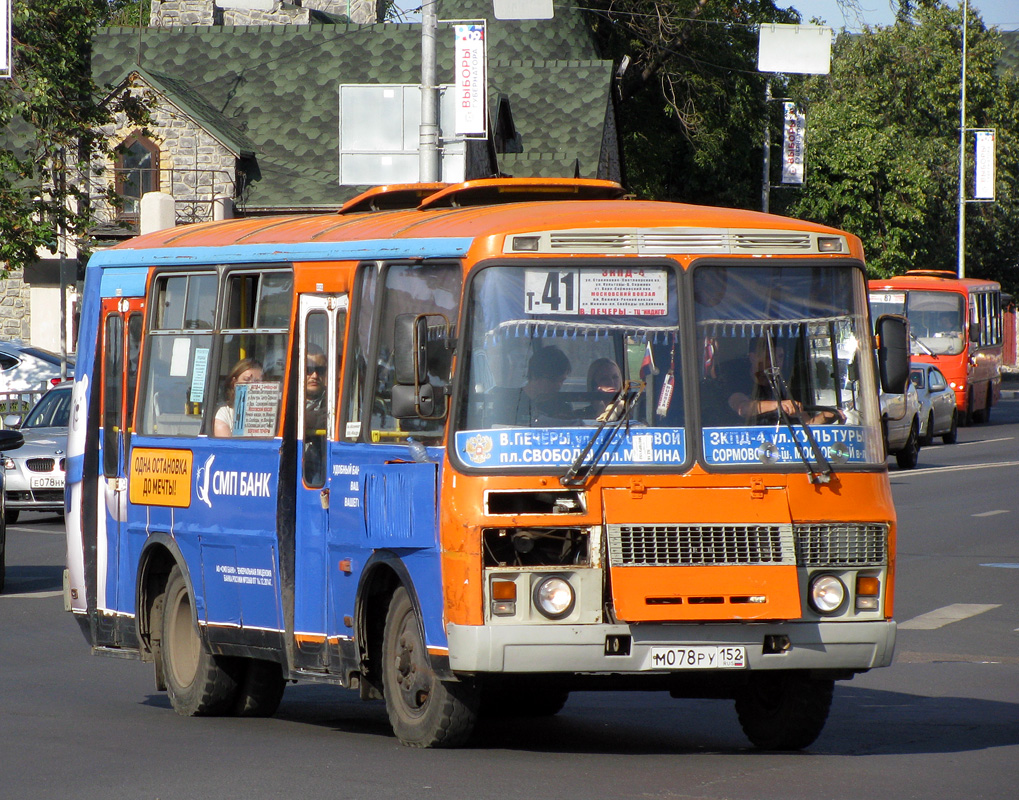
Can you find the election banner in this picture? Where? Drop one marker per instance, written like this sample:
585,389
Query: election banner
5,27
985,166
793,144
470,80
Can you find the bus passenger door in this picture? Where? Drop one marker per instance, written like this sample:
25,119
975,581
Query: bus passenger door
322,322
122,330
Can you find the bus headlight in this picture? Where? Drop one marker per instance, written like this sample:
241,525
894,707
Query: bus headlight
554,597
827,594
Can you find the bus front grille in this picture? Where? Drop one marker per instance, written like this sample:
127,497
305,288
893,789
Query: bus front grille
850,544
700,545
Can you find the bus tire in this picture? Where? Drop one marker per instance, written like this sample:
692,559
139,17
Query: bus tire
423,710
197,683
261,688
11,515
784,710
953,432
907,457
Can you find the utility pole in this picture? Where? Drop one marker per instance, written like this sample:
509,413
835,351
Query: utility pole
428,136
962,148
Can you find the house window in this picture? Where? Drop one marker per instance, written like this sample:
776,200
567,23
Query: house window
137,172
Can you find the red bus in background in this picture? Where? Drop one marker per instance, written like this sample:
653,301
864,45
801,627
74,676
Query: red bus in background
955,323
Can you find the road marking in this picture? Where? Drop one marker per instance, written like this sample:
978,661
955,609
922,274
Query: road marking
32,594
945,616
905,473
1002,566
992,513
983,441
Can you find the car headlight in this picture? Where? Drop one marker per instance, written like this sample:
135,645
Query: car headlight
554,597
827,594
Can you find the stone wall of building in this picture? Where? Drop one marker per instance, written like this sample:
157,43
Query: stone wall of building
194,166
15,308
167,13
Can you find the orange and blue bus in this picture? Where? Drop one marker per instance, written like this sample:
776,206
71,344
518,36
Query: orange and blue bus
470,448
955,324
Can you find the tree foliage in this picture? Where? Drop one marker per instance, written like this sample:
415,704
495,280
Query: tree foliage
51,112
691,100
883,144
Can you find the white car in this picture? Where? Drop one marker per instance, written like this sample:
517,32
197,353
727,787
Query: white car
938,416
34,475
24,368
900,417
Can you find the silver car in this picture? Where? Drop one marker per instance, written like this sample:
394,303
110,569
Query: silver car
900,417
938,416
34,475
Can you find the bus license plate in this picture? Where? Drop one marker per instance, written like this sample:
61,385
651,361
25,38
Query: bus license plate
48,483
699,657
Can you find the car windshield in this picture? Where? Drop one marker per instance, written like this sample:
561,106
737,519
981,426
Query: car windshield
52,411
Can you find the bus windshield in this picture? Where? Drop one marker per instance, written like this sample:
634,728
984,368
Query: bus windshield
570,349
936,319
785,373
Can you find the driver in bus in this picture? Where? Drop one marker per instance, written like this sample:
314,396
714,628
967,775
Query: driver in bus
547,370
761,406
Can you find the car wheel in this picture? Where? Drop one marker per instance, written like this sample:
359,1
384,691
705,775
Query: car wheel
952,434
907,457
928,437
11,515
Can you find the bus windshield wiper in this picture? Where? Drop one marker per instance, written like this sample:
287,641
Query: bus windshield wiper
921,345
618,412
781,391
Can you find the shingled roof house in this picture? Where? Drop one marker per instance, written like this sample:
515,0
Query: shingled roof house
246,111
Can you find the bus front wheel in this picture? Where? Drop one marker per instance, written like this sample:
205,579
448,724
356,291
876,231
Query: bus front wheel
423,710
196,681
784,710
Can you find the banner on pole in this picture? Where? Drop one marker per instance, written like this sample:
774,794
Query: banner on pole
469,58
985,166
5,27
793,144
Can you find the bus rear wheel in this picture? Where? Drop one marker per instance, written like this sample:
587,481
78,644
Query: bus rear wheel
784,710
197,683
423,710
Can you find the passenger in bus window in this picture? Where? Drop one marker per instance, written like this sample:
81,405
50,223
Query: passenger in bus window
604,381
947,326
315,372
247,370
547,370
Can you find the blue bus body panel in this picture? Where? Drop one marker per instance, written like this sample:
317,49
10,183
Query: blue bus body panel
453,247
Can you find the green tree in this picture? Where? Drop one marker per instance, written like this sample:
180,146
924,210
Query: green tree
883,144
51,112
691,101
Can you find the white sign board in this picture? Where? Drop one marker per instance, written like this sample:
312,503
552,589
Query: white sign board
610,292
523,9
793,144
801,49
470,81
985,166
5,28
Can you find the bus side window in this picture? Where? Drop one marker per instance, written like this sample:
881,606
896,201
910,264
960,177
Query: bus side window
360,334
180,341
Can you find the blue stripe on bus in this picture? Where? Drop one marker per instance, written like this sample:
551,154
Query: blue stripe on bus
299,251
128,282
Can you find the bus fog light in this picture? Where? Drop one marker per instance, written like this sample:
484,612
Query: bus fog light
554,597
827,593
866,604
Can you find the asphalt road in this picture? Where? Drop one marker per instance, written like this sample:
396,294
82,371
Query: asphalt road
941,722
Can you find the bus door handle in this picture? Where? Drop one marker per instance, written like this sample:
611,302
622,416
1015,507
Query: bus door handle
117,484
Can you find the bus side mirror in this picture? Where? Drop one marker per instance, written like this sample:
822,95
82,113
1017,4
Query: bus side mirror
893,352
413,401
410,349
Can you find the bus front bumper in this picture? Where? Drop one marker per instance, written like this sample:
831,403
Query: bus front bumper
838,646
